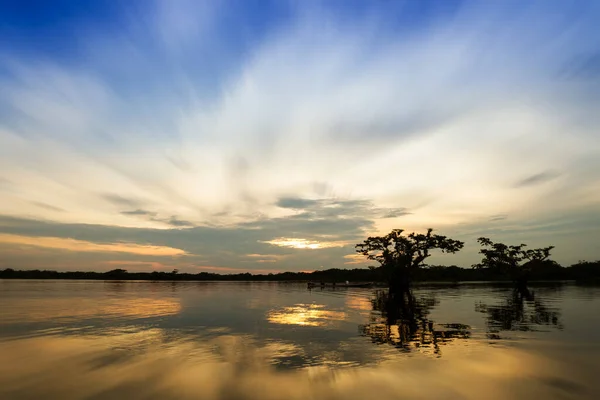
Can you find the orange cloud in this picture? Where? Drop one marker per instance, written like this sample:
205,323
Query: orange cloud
141,264
264,258
355,259
274,256
85,246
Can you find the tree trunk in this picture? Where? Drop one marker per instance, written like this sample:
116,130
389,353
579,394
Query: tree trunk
520,277
399,280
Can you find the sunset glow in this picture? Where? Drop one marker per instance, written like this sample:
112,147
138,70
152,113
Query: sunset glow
303,243
75,245
303,135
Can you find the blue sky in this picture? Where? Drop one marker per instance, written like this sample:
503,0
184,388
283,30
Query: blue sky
267,136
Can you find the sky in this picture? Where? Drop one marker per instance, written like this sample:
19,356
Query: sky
268,136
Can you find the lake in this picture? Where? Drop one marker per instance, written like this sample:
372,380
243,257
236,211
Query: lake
237,340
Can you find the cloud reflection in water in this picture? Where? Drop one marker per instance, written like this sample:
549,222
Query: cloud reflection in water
306,315
235,367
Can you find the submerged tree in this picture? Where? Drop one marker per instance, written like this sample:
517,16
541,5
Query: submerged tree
516,262
400,256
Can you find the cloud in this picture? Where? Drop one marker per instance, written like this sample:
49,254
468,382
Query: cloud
354,259
204,245
119,200
85,246
176,222
295,203
48,206
263,258
139,212
338,208
173,220
318,128
537,179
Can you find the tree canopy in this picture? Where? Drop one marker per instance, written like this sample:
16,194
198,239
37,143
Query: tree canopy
515,260
402,254
406,251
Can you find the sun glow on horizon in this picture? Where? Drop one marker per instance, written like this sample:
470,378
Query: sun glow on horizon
76,245
298,243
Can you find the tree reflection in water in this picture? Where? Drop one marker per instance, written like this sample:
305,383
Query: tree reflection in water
404,323
521,310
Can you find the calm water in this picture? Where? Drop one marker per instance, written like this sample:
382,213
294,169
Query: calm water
111,340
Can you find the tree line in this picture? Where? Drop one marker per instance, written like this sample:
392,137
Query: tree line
549,270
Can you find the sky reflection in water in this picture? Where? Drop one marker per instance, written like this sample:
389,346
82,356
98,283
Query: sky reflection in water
99,340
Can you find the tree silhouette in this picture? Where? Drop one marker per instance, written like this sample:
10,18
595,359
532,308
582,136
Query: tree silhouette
400,256
405,323
116,272
516,262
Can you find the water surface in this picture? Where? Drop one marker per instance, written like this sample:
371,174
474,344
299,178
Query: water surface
207,340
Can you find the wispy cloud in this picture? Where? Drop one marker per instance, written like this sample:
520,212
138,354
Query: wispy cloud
355,259
119,200
139,212
48,206
75,245
498,217
339,208
537,179
313,129
173,220
264,258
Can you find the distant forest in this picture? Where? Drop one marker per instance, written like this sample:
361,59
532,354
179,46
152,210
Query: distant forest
583,271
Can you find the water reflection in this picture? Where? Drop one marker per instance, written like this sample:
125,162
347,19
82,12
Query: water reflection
305,315
238,368
405,323
76,309
239,341
521,310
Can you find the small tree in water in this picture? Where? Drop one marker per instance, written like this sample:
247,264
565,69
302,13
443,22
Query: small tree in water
400,256
513,261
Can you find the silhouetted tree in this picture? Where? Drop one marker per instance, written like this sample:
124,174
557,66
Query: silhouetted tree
400,256
515,262
117,271
586,272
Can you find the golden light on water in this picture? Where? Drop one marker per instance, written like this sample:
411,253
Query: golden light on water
305,315
78,308
359,303
184,369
